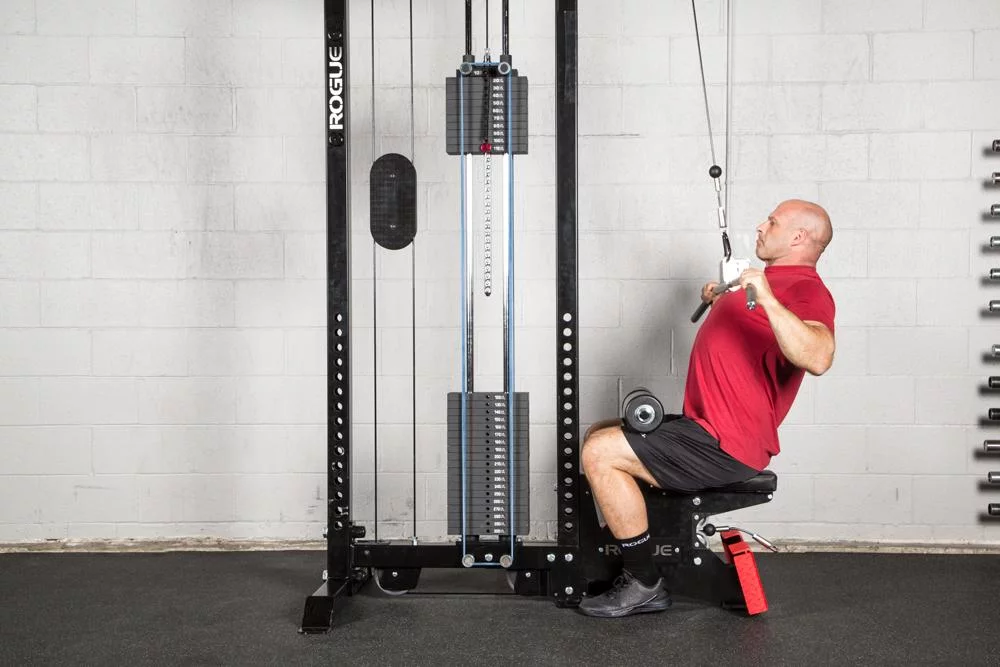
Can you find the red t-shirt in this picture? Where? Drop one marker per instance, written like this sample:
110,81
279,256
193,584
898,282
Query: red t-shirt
739,385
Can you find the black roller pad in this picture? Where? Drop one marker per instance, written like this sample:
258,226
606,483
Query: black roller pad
393,201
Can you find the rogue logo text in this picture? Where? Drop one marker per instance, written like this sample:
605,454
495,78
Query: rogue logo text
336,74
658,550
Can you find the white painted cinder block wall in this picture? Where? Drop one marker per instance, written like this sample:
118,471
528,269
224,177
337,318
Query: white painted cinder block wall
162,351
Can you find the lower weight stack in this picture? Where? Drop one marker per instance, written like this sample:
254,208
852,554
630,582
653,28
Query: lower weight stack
489,476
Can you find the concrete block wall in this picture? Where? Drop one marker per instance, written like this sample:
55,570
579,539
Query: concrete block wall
162,351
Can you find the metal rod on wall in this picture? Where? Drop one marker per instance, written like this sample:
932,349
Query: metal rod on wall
506,28
468,27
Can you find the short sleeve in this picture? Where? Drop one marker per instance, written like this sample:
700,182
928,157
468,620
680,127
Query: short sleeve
811,300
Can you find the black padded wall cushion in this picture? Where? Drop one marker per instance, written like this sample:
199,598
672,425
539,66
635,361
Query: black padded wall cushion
393,201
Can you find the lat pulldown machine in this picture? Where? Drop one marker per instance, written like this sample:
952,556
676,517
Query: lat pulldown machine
488,103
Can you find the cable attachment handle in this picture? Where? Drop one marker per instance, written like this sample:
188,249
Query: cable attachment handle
751,297
710,530
715,171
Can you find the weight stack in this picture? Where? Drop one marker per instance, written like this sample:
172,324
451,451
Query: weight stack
488,482
485,112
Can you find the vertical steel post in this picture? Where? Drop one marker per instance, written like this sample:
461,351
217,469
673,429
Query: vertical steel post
338,259
567,322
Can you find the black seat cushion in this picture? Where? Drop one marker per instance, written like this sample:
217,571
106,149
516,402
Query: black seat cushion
765,482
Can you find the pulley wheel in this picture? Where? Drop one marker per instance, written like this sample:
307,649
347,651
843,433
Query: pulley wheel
641,411
388,591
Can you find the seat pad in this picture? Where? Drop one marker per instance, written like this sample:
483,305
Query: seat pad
765,482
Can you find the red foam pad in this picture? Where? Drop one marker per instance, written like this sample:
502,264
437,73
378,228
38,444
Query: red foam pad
742,558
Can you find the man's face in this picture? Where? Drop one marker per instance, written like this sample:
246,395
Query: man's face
774,235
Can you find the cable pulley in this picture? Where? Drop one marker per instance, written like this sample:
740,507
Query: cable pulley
729,269
393,222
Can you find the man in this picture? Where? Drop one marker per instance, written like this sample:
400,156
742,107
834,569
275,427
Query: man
746,367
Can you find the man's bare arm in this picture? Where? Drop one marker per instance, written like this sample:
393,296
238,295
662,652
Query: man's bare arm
807,344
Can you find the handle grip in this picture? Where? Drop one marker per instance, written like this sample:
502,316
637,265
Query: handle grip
719,289
760,540
764,543
701,311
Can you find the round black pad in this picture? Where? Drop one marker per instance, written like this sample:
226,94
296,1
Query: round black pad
641,411
393,201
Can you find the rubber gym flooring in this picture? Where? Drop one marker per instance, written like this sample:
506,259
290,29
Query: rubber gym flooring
244,608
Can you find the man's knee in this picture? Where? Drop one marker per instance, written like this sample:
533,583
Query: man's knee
599,449
609,449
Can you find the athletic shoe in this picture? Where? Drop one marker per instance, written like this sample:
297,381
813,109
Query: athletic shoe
627,596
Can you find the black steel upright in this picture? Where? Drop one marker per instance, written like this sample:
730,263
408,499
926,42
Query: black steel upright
338,307
341,577
567,323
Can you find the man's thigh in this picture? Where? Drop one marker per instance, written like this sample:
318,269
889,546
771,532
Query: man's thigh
613,447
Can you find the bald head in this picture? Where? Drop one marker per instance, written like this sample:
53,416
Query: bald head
796,232
814,219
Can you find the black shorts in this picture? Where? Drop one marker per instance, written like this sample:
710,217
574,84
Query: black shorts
682,456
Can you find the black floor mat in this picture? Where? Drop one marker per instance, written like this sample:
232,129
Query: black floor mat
245,608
